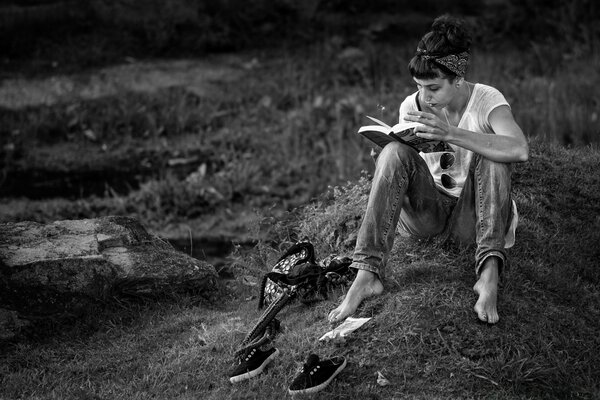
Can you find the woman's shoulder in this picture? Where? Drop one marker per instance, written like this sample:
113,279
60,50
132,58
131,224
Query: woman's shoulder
486,99
486,90
486,94
410,102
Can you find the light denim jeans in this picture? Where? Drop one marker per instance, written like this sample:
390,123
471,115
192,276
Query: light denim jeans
403,191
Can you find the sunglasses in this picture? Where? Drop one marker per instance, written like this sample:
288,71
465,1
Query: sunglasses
447,161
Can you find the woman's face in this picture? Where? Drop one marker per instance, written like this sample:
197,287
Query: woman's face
436,93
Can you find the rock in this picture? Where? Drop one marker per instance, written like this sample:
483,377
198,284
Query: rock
45,268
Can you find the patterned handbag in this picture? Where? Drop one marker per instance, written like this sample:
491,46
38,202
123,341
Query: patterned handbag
274,283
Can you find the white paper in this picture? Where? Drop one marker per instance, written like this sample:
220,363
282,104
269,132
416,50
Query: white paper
345,328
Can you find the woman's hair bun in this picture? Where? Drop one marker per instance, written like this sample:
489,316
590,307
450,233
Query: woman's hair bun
454,30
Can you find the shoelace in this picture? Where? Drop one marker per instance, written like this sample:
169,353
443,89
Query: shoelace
311,364
249,355
315,369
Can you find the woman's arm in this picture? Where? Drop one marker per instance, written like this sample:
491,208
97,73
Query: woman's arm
507,145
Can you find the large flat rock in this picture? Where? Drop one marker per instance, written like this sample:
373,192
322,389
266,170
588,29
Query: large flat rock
93,258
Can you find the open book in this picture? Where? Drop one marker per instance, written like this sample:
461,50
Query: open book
383,134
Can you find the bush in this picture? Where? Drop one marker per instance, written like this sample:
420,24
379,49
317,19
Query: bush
332,222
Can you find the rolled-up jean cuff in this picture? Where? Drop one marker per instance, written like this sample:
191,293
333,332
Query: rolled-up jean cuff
367,267
492,253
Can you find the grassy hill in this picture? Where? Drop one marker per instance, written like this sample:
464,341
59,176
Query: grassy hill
423,335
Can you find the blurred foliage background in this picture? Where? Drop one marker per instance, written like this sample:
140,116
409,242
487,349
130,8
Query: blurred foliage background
161,28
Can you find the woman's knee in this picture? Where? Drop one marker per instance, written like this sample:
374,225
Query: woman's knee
396,152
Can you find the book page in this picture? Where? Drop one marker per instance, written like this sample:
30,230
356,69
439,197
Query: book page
403,126
377,134
379,122
376,128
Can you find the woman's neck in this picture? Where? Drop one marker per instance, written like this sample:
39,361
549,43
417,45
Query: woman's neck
459,103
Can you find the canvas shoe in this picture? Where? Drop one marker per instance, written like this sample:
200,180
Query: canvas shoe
253,363
316,375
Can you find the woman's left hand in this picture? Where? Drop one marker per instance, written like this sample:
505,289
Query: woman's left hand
432,128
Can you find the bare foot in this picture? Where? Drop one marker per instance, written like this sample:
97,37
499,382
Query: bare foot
366,284
487,289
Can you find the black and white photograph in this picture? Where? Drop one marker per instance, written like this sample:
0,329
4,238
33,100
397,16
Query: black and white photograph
279,199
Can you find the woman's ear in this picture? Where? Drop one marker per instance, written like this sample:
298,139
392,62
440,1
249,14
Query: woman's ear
458,81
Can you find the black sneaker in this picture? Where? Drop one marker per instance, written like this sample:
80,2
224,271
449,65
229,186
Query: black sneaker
252,364
316,375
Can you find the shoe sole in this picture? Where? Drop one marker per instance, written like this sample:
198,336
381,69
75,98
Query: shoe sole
322,386
253,373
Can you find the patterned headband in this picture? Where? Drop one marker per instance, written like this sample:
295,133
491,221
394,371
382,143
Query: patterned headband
457,63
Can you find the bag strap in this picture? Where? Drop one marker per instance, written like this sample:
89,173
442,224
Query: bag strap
267,326
261,293
294,280
298,247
